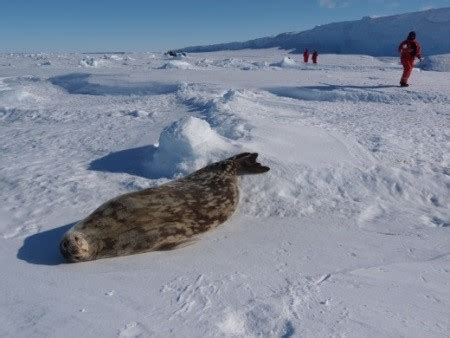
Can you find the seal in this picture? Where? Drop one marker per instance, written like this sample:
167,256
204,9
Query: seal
161,218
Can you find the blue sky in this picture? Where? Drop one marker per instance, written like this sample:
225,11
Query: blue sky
154,25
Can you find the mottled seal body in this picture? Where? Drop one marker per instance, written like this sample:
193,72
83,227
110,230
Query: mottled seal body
161,218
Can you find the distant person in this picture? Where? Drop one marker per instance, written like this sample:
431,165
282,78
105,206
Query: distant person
306,55
409,50
315,55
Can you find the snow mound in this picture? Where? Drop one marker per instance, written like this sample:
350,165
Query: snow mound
218,110
287,62
439,63
177,64
188,145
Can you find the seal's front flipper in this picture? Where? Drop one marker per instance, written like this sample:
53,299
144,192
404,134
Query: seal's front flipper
246,164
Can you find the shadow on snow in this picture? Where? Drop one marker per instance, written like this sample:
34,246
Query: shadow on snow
78,83
325,88
129,161
43,248
328,92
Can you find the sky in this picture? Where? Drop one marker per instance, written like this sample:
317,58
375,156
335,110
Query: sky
154,25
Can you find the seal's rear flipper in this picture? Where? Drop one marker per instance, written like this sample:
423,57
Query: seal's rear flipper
246,164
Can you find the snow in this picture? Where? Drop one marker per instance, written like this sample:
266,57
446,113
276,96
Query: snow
287,62
188,145
439,63
351,37
89,62
177,64
346,235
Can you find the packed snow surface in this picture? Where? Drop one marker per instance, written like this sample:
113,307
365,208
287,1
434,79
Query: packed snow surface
346,235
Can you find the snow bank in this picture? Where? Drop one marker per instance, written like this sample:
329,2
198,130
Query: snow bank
188,145
177,64
351,37
439,63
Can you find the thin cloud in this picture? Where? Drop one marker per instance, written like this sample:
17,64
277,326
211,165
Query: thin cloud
327,3
333,3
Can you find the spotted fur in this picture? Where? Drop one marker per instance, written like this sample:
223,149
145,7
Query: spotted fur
161,218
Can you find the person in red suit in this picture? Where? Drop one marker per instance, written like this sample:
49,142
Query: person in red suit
409,50
315,55
306,56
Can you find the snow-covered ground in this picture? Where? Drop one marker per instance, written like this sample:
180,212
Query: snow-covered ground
347,235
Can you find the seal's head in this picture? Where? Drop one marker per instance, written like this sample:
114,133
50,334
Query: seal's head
75,247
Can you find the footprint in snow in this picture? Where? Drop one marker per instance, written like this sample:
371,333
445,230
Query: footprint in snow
133,330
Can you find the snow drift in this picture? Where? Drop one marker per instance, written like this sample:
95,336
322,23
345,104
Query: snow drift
357,37
439,63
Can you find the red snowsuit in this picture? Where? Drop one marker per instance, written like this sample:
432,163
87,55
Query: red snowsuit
409,50
314,56
306,56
